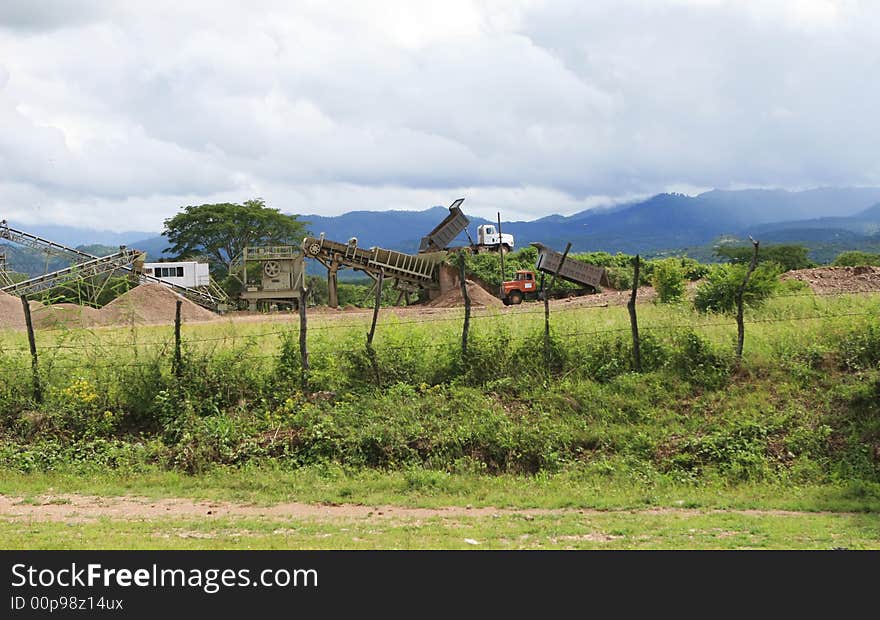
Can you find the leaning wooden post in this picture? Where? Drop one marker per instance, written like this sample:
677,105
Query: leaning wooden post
371,352
634,323
546,296
462,277
740,324
178,357
303,326
32,342
376,307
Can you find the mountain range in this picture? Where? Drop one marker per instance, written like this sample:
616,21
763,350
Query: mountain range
824,219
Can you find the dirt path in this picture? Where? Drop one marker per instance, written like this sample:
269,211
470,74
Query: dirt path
74,508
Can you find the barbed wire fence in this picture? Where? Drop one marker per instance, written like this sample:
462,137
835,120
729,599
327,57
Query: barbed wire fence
72,343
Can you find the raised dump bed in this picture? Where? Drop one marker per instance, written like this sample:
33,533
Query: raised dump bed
574,271
447,230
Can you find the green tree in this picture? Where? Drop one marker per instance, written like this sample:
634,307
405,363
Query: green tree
789,257
718,292
221,231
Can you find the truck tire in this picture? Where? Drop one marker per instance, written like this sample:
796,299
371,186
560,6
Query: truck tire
515,298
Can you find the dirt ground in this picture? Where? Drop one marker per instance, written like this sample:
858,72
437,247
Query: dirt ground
74,508
838,280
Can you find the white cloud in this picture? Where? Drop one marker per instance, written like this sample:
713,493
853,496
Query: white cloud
117,114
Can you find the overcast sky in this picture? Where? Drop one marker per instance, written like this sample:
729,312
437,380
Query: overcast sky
114,115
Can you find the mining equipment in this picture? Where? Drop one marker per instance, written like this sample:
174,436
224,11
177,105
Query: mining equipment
5,279
281,276
282,268
84,265
408,273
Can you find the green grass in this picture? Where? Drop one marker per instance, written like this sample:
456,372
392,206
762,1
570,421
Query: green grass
796,427
595,514
606,531
573,489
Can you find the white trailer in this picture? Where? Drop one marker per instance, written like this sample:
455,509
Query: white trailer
190,274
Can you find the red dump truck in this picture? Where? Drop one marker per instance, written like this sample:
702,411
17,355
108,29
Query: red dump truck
525,285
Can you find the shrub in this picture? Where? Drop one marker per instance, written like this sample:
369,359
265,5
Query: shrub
860,348
718,293
668,280
857,259
696,360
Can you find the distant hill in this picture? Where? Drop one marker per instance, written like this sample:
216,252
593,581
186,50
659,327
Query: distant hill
154,247
864,223
675,220
73,236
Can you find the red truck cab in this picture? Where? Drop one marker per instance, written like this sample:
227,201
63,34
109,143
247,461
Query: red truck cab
522,285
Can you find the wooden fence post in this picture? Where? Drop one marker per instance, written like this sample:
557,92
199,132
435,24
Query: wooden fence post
177,368
371,352
467,305
303,343
376,307
740,324
634,323
546,296
32,342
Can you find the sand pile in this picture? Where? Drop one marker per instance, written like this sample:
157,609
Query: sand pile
149,304
65,315
143,305
479,297
11,314
831,280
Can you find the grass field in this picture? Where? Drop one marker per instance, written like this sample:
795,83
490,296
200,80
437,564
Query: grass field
782,451
235,509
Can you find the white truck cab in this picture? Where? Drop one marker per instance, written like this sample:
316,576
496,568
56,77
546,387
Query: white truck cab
488,237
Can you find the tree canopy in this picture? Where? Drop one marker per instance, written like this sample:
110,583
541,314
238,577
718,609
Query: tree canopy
718,293
790,257
857,259
221,231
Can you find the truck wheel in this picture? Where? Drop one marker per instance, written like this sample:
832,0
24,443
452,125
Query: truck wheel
505,249
515,298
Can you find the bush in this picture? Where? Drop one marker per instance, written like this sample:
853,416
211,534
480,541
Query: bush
789,257
693,269
718,293
857,259
668,280
860,348
696,360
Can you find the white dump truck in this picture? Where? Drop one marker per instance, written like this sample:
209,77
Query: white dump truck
488,239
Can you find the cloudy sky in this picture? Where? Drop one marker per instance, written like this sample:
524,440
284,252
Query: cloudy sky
113,115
